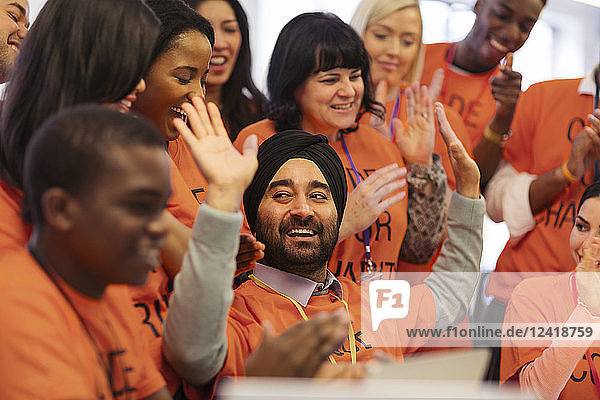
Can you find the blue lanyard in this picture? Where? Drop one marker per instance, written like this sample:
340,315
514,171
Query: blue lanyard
394,113
367,232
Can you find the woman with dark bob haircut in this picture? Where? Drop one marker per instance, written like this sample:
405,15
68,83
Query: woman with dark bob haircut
319,81
230,83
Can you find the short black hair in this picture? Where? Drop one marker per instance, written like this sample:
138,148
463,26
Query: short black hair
77,51
176,18
591,191
242,102
71,148
309,43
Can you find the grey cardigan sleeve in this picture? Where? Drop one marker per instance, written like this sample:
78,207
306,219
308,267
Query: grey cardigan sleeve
426,214
194,337
455,272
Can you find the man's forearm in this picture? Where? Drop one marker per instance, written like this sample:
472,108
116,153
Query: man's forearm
194,339
544,189
455,272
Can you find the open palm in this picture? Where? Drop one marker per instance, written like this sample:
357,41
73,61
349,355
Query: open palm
227,171
220,163
417,138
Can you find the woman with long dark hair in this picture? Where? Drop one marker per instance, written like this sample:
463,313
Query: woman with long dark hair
230,84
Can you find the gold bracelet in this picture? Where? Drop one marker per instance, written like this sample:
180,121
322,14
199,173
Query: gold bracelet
495,137
565,170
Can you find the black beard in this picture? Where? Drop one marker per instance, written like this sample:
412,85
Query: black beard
305,259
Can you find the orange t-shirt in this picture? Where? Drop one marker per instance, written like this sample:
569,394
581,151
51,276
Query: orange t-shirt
253,304
152,299
545,300
370,151
14,233
183,159
541,142
45,350
469,94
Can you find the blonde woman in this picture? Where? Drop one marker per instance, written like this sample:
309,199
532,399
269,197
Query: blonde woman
392,32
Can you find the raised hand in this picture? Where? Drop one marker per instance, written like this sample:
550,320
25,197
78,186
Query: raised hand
250,251
371,197
301,349
435,86
227,171
506,88
417,139
585,149
465,169
587,276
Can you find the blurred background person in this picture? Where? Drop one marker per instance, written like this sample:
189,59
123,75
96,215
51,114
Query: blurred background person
481,91
229,83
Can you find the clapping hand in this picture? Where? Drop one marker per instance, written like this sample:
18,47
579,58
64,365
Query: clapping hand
416,140
585,149
300,350
465,169
587,276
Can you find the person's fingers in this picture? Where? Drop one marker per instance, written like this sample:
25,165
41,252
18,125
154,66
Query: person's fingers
247,238
248,241
594,122
427,104
198,119
386,177
381,171
595,253
593,138
216,120
443,125
506,99
503,85
250,147
410,107
418,92
385,190
188,136
508,62
398,128
435,86
242,267
390,201
249,256
587,261
268,330
333,330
